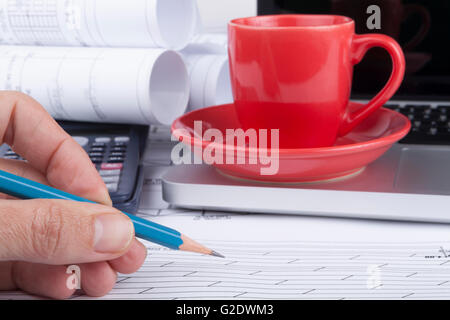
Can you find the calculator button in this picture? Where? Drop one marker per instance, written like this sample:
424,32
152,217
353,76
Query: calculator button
117,154
115,159
82,141
111,166
13,157
97,160
103,139
118,149
120,144
112,187
110,179
96,154
122,139
98,144
106,173
97,149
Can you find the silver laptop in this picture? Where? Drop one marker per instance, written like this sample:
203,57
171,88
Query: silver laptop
411,181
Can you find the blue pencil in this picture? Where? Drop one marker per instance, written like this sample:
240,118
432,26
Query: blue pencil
27,189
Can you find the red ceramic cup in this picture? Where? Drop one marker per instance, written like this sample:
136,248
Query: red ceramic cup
294,73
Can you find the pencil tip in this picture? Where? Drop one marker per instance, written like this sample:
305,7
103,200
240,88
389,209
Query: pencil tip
190,245
216,254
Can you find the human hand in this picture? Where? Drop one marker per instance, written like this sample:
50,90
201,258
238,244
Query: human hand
39,238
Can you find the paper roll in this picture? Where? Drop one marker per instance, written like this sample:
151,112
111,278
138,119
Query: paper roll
218,39
209,80
142,86
208,43
101,23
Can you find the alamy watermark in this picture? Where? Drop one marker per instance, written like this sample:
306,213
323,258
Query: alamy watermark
374,20
236,146
74,279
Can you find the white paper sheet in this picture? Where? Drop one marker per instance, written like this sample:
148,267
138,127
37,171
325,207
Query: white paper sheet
130,23
126,85
285,257
281,257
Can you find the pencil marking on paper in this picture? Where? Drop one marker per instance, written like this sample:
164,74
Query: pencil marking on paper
214,283
444,252
309,291
320,268
240,294
166,264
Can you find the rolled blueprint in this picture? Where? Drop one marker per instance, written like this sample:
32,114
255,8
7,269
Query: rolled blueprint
126,85
209,77
210,42
101,23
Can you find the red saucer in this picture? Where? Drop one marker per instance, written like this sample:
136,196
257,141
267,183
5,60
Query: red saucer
351,153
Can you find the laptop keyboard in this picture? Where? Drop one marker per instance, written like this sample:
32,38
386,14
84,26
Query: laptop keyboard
430,124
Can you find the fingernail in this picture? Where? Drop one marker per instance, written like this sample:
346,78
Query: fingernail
113,233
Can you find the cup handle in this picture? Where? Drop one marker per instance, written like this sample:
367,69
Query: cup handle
360,45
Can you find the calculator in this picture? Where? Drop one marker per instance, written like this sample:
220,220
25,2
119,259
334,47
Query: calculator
115,150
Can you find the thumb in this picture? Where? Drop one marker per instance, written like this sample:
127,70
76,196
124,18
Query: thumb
62,232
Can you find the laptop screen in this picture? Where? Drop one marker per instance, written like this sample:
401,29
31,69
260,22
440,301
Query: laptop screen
422,27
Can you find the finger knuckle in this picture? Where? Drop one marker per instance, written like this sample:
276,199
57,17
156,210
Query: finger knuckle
47,230
13,96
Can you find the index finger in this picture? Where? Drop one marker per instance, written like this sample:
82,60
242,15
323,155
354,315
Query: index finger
31,132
